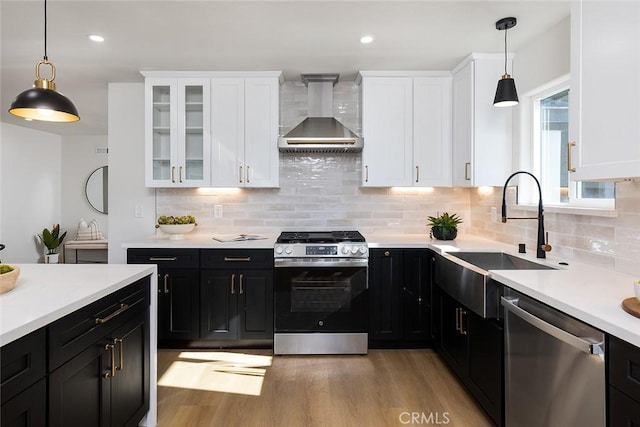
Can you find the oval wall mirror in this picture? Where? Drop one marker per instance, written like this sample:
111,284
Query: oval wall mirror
96,189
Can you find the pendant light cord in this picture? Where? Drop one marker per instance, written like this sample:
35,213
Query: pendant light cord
46,58
505,48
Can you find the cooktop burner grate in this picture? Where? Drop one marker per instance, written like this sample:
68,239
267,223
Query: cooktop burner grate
320,237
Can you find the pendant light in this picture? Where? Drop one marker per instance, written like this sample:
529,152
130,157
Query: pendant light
43,102
506,94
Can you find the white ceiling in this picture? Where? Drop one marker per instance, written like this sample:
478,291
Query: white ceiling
293,36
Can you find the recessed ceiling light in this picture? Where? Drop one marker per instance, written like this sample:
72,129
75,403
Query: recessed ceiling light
366,39
95,38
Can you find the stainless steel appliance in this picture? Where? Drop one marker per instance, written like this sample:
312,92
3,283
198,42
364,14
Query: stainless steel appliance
321,298
554,367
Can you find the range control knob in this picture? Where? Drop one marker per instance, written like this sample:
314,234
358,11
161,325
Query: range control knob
363,249
288,250
278,250
345,250
354,250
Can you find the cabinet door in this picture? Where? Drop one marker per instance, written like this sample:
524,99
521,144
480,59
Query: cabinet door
384,288
454,334
79,392
415,294
130,385
27,409
486,363
623,411
161,135
193,151
463,87
255,304
432,131
387,117
605,47
227,123
178,305
218,304
261,115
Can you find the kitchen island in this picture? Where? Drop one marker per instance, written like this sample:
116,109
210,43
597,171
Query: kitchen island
59,297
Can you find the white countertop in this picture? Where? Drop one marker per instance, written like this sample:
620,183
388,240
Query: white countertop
45,293
202,241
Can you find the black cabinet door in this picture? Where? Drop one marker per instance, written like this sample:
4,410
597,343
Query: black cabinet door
27,409
255,304
454,334
486,363
415,294
130,385
384,288
219,292
178,304
623,411
79,392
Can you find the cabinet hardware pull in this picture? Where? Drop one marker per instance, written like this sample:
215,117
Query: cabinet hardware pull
122,309
387,253
115,342
237,259
569,167
462,313
458,319
241,284
166,280
417,173
180,174
466,171
173,174
233,283
159,258
112,349
248,174
159,288
366,173
240,175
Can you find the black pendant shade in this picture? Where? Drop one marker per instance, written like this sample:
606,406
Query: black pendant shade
506,94
43,102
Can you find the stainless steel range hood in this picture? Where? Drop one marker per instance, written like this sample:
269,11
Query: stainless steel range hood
320,132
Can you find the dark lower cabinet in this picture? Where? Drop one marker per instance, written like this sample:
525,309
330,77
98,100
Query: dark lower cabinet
473,347
27,409
623,366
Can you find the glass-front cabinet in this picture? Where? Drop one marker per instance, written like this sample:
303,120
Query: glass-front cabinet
177,130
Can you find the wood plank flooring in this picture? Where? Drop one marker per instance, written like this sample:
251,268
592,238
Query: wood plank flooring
253,388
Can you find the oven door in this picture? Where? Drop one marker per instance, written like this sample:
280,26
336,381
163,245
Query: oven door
321,298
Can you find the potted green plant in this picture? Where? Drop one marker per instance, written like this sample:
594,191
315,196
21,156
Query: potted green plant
445,226
52,239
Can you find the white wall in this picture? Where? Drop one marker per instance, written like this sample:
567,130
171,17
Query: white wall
30,187
126,170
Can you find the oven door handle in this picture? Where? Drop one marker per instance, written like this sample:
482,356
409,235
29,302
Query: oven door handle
336,262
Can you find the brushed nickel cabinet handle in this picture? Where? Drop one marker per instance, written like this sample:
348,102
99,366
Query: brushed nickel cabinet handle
570,168
233,283
458,319
159,258
248,174
462,314
121,342
366,173
387,253
236,259
240,175
467,176
180,174
173,174
123,307
159,288
417,173
241,284
112,370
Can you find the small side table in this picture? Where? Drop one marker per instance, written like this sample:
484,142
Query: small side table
85,245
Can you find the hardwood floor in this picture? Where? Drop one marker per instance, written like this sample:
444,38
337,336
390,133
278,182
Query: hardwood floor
253,388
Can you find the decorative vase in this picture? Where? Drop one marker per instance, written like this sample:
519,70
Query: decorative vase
51,258
443,233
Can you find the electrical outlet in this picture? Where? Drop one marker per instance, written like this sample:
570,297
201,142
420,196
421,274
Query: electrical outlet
494,214
139,211
217,211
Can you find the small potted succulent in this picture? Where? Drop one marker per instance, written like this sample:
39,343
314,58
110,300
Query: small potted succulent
52,239
445,226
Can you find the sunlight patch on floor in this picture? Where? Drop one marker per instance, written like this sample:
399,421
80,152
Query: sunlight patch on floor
224,372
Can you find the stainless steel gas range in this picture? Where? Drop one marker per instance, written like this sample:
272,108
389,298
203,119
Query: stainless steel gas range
321,293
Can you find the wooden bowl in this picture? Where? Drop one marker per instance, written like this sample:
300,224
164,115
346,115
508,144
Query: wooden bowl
8,280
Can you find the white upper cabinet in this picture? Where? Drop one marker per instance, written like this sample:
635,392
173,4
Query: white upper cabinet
407,129
177,140
482,139
212,129
604,121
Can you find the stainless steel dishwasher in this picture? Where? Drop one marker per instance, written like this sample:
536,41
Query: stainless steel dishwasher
554,367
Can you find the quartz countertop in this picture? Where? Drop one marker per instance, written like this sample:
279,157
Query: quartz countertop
203,240
45,293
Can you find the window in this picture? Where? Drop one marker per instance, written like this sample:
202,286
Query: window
550,144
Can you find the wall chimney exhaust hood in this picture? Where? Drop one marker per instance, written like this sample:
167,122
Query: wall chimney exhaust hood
320,132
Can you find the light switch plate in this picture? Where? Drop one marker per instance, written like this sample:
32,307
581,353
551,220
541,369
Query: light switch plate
139,211
217,211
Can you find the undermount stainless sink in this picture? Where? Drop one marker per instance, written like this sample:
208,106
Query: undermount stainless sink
473,287
499,261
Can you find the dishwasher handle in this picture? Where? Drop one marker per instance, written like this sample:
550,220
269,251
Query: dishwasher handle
511,304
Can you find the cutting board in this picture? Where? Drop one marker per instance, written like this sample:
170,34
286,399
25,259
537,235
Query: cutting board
631,306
